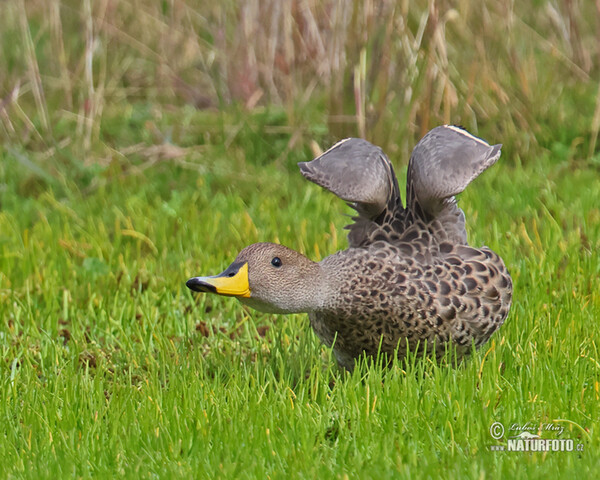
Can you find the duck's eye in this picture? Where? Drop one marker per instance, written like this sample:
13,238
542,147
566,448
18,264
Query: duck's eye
276,262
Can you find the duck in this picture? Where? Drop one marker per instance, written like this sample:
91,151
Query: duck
408,281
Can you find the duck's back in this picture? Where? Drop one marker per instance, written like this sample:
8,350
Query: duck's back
387,300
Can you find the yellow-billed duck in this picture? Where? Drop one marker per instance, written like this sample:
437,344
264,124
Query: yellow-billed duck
408,279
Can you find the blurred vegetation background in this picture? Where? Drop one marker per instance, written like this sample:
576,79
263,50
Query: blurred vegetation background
74,73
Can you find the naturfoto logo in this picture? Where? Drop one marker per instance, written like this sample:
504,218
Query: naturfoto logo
527,437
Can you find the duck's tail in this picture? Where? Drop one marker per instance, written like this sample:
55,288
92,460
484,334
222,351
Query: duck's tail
361,174
441,166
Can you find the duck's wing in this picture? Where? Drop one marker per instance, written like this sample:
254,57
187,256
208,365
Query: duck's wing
441,166
362,175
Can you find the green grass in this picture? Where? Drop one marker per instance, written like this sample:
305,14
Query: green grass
112,366
168,143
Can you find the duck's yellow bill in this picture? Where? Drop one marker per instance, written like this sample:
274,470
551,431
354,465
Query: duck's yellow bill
233,282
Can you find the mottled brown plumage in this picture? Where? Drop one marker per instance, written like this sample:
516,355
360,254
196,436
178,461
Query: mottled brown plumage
408,280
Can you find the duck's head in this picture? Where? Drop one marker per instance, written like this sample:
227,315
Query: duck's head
268,277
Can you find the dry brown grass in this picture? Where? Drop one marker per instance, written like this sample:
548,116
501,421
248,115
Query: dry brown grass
515,72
